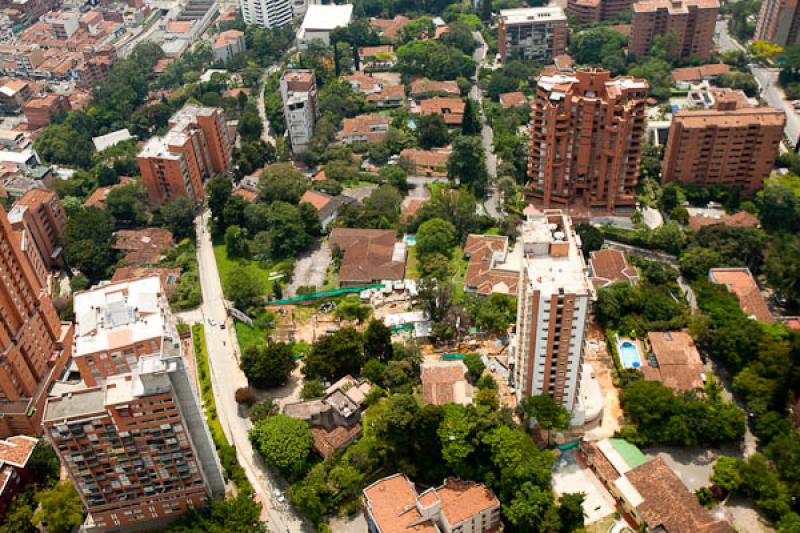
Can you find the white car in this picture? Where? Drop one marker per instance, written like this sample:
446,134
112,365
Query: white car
212,322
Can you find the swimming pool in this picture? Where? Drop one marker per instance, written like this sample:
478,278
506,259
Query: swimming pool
629,354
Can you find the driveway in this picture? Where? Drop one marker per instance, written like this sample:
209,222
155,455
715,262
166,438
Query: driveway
310,269
359,193
570,476
350,524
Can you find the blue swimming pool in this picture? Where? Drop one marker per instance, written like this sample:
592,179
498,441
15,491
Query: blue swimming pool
629,354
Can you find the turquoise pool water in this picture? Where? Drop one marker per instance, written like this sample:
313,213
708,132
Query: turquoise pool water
411,240
629,354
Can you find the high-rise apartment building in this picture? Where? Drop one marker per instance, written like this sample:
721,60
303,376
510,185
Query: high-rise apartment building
532,33
266,13
40,213
730,146
595,11
553,303
195,148
586,136
300,106
137,447
34,343
779,22
117,324
689,23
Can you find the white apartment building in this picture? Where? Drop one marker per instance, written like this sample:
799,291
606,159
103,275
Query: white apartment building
266,13
320,20
300,106
553,303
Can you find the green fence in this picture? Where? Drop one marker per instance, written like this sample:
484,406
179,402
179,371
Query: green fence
324,294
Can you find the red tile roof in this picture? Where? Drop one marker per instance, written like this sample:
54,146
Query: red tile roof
369,255
388,92
742,219
144,246
679,364
451,109
610,266
318,199
481,276
699,73
373,126
391,502
440,382
461,500
17,450
98,197
509,100
425,86
390,27
741,282
326,442
428,158
372,51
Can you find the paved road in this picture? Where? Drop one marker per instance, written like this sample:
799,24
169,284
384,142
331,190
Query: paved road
266,135
725,42
226,377
771,92
310,269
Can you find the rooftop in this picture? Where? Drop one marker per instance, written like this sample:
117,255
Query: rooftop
424,85
610,266
741,282
433,158
444,382
679,366
75,404
110,139
513,99
17,450
742,219
730,118
489,270
145,246
674,7
699,73
524,15
369,254
328,17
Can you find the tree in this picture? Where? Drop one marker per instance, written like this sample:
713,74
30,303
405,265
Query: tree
395,176
43,464
268,365
471,124
283,182
600,46
223,515
312,388
532,509
236,242
570,511
60,508
288,230
493,313
250,125
434,60
64,145
549,414
436,236
783,268
374,371
87,242
245,286
474,365
432,131
127,205
765,50
727,473
178,216
263,409
697,260
780,209
378,341
219,192
467,164
18,518
335,355
284,442
591,238
671,197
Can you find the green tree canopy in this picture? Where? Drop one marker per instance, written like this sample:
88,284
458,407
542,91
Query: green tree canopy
268,365
284,442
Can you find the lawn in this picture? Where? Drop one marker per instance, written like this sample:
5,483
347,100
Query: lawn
458,265
412,272
226,264
248,336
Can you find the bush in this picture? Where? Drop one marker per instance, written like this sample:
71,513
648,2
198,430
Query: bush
244,395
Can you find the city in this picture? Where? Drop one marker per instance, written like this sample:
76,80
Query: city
444,267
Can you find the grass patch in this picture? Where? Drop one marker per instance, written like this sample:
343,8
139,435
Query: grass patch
227,453
458,265
248,336
226,264
412,264
790,181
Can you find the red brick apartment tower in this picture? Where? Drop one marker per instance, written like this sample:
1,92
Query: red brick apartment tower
34,344
723,147
594,11
692,22
195,148
40,213
779,22
586,138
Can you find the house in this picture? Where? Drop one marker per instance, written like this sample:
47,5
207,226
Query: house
169,276
742,219
327,205
674,361
609,266
335,419
445,382
247,188
647,490
228,44
513,99
381,57
98,197
370,255
425,88
683,78
364,84
450,109
431,163
389,28
392,505
370,128
740,281
388,96
489,269
144,246
15,452
564,63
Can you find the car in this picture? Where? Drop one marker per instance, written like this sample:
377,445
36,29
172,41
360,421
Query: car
212,321
222,325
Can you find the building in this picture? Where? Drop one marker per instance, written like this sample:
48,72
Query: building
596,11
103,142
513,99
491,268
674,361
425,88
370,128
137,449
13,95
381,57
586,137
35,345
740,281
168,276
723,146
41,215
648,491
431,163
691,22
334,419
196,147
609,266
98,197
450,109
778,22
300,106
320,20
326,205
144,246
15,452
531,33
38,110
392,504
552,309
684,77
742,219
228,44
266,13
370,255
445,382
117,324
389,28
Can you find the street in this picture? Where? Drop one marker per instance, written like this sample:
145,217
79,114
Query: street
491,205
226,377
